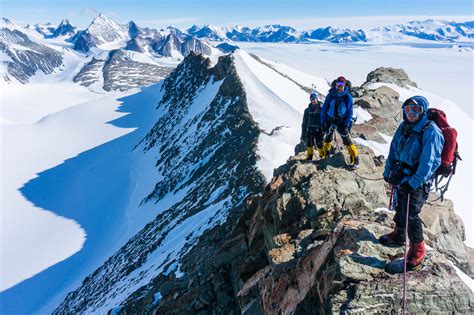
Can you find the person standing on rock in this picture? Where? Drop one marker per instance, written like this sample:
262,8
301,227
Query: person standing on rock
337,114
415,154
312,131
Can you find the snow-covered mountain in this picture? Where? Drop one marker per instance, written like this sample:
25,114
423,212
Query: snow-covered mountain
210,32
151,56
432,30
46,30
335,35
102,30
64,29
428,30
23,57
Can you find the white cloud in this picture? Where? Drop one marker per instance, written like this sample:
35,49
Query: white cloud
89,11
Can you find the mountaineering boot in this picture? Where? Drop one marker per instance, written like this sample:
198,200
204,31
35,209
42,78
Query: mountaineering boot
321,153
416,255
309,153
326,149
354,156
395,238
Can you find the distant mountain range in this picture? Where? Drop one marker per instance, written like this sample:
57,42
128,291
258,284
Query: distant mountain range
432,30
42,47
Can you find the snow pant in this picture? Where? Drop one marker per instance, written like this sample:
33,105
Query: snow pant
417,200
315,136
343,131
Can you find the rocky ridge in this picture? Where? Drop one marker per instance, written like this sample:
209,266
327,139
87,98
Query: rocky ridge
308,245
211,177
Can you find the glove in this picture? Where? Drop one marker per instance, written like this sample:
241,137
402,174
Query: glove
406,188
444,170
387,179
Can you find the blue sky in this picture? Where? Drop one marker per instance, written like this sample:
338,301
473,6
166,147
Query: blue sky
184,13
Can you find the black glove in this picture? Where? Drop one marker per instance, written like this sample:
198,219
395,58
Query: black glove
444,170
405,187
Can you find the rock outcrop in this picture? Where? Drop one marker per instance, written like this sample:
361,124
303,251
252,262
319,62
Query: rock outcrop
390,75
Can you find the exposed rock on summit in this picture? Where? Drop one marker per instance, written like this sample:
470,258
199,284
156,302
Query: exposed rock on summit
390,75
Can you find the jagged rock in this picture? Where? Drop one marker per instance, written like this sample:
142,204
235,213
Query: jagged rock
445,232
384,105
389,75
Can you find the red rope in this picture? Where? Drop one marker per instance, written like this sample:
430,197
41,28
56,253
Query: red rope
405,260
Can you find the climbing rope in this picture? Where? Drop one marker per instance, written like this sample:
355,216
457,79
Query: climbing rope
366,178
405,260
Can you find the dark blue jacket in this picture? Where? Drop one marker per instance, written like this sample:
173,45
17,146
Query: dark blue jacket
338,107
311,118
414,148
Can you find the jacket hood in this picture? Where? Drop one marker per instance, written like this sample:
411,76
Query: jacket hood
420,100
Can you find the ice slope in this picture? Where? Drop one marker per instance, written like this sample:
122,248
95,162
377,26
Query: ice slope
91,177
277,104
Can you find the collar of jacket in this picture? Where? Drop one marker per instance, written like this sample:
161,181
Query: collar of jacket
420,124
333,92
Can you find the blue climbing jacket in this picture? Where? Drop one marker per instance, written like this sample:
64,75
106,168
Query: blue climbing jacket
419,150
338,106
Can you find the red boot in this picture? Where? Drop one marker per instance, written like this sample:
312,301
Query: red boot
416,255
395,238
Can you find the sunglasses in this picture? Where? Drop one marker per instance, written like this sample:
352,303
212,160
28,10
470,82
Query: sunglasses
412,108
339,84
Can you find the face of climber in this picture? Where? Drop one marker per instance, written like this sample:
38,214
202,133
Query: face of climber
340,86
412,112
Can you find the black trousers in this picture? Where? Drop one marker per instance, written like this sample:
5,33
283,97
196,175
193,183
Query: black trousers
417,200
314,136
343,131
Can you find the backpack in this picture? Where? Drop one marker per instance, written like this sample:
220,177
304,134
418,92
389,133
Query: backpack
450,154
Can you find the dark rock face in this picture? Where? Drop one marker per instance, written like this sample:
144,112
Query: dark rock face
122,73
210,155
390,75
195,45
31,58
64,29
90,73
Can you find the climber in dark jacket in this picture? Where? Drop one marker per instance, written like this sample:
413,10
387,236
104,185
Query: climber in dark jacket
312,131
337,114
415,154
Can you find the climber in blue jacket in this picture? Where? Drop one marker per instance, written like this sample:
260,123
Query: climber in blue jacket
415,154
337,114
